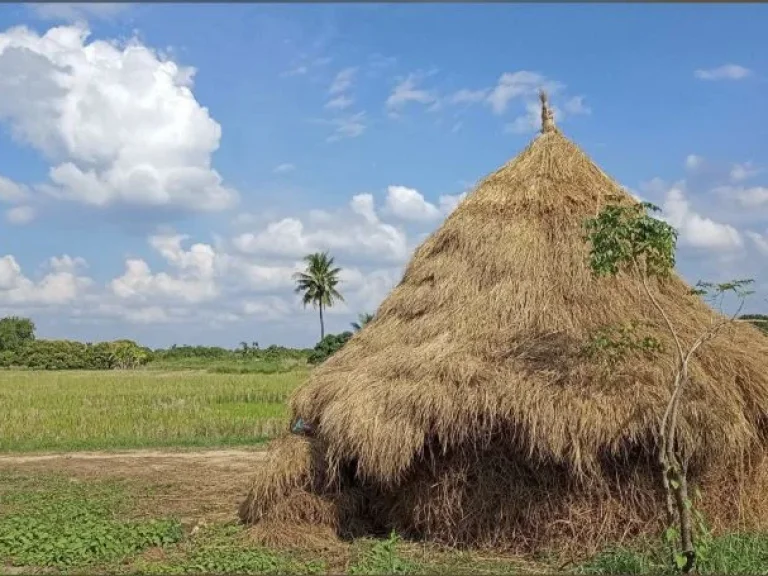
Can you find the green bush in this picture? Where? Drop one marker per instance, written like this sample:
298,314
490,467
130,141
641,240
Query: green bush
328,346
71,355
15,332
178,352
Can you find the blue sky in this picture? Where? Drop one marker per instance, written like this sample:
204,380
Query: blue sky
165,166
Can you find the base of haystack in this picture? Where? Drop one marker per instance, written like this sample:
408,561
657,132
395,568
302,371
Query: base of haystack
489,499
290,535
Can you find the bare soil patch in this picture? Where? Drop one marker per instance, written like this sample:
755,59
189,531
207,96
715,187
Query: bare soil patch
199,486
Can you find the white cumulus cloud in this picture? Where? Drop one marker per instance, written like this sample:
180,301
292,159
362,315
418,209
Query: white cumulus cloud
696,230
193,279
60,285
409,204
748,197
355,232
119,122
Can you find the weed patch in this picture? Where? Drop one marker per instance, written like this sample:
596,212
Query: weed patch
726,554
63,524
220,549
383,558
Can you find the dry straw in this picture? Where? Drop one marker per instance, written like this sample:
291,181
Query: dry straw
467,411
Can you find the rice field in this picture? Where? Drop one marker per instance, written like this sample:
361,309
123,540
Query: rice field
61,411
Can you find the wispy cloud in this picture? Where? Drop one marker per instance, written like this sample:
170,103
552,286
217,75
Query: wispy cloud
575,105
725,72
346,127
531,120
408,91
339,89
284,168
693,162
20,215
743,171
343,81
305,64
523,83
377,63
78,11
465,96
341,102
300,70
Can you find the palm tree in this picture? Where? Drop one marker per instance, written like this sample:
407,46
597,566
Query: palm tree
317,284
362,320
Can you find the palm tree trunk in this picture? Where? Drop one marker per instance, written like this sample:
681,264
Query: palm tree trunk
322,326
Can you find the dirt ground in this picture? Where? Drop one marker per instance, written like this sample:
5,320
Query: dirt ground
198,486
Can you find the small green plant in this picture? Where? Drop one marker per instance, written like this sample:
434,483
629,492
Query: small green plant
234,560
619,561
702,535
627,239
383,558
613,343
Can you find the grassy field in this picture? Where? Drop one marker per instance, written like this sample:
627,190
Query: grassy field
51,522
144,408
54,523
172,516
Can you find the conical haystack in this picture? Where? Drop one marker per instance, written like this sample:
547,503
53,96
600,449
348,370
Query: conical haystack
467,411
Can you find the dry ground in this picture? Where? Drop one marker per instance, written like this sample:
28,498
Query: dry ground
199,486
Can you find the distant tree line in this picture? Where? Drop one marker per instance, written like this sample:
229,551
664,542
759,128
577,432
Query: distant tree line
759,321
20,348
317,284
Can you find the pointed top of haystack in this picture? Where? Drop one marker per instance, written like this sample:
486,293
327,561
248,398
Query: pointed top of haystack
547,115
486,334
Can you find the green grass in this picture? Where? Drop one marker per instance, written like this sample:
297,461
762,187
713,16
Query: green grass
50,522
248,365
727,554
57,524
145,408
